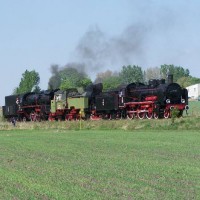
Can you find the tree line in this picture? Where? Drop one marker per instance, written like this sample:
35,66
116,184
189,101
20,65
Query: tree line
69,77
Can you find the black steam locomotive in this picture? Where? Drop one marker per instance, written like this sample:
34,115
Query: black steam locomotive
29,106
156,99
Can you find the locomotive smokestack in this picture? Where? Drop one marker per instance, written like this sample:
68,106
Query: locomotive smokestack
170,78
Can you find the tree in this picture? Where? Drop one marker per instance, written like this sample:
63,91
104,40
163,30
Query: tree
177,72
103,75
71,78
29,82
152,73
110,80
131,74
194,80
71,75
111,83
85,82
187,81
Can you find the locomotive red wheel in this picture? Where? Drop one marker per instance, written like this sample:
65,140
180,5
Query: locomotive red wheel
33,117
155,115
130,116
149,115
38,118
93,117
24,119
51,119
166,114
68,117
106,116
78,118
141,115
59,119
118,116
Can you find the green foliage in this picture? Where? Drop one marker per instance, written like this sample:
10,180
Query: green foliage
29,82
111,83
71,78
131,74
187,81
194,80
184,81
68,77
66,84
111,80
178,72
85,82
174,114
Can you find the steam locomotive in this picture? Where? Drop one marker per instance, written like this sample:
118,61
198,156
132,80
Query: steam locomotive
29,106
156,100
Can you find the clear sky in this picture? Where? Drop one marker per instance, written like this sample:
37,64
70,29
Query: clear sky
106,34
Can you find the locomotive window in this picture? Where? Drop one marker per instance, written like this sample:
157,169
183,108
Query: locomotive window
59,97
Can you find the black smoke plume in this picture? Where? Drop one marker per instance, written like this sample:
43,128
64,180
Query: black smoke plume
100,52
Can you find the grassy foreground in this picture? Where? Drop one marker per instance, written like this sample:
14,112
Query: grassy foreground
94,164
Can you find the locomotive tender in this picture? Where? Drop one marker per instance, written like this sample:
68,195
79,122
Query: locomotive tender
156,99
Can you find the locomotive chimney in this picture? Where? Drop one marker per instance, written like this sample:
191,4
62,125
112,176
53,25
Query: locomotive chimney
170,78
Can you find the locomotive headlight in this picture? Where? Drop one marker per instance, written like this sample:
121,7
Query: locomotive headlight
168,101
182,100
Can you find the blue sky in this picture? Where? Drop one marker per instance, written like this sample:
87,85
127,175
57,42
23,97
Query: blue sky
36,34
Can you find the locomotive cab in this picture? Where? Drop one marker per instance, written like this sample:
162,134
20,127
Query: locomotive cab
59,101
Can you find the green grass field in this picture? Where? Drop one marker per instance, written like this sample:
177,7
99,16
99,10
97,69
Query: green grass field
94,164
194,108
